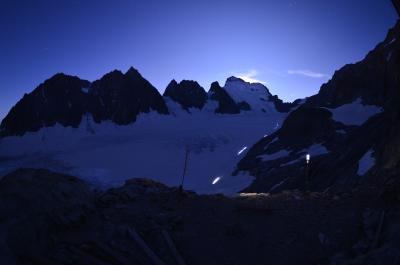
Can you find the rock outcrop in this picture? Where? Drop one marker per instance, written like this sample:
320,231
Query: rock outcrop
50,218
189,94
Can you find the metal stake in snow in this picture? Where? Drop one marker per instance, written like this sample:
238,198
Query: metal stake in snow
187,151
306,174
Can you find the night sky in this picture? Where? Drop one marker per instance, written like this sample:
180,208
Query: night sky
292,46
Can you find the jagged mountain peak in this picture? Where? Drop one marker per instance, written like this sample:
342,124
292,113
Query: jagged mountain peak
251,96
132,71
64,99
226,105
234,79
188,93
214,85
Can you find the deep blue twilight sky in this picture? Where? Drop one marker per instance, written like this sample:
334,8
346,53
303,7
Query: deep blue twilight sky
292,45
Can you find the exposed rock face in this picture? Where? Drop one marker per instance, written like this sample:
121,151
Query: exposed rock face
344,154
121,97
57,100
284,106
226,105
65,99
189,94
35,204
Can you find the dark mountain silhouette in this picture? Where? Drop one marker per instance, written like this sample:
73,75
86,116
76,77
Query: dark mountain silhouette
189,94
66,99
121,97
344,149
225,103
58,100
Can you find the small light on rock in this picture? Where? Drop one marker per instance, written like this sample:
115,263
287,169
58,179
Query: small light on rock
308,158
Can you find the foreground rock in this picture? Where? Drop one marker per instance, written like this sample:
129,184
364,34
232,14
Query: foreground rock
49,218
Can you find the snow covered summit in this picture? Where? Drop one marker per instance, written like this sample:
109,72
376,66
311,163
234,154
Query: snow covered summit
252,96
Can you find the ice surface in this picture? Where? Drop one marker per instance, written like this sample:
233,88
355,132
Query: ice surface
152,147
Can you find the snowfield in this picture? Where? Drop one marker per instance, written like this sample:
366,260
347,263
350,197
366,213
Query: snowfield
153,147
354,113
366,162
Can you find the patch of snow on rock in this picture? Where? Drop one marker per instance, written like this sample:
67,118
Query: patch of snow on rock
354,113
391,42
317,149
366,163
85,90
276,155
313,150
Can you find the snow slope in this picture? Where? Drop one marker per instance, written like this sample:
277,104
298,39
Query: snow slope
354,113
153,147
255,94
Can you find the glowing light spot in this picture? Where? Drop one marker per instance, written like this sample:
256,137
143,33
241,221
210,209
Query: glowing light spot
308,157
242,150
266,135
243,194
215,181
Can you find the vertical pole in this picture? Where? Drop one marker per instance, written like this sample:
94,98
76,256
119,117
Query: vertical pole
184,168
306,181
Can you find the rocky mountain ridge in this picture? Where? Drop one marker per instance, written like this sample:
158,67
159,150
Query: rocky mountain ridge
120,98
349,128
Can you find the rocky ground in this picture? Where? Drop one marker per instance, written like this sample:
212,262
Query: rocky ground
48,218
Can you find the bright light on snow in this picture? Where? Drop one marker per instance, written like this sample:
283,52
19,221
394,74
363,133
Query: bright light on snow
215,181
242,150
